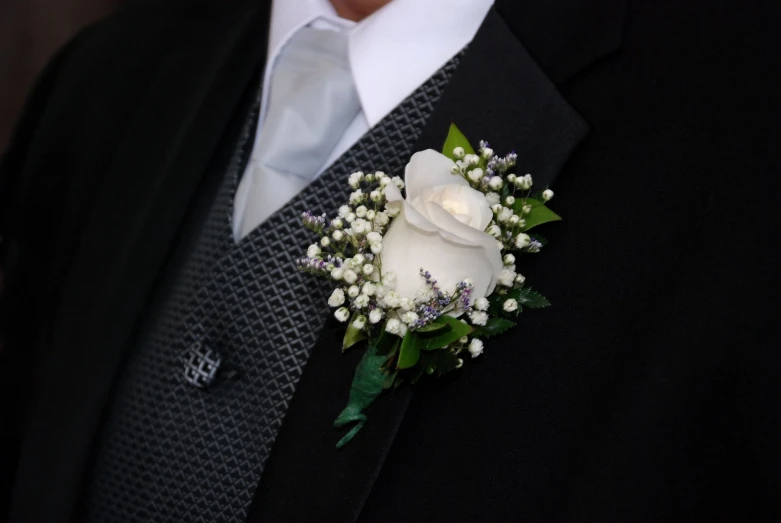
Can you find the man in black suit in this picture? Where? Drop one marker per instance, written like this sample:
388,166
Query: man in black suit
647,393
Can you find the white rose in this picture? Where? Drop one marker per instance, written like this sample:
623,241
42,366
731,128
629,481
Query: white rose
441,228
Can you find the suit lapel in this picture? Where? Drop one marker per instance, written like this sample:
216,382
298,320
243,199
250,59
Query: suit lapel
203,81
498,93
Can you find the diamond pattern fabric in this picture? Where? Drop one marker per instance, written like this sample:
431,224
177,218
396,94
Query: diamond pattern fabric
169,451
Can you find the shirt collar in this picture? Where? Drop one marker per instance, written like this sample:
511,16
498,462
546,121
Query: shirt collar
398,48
393,51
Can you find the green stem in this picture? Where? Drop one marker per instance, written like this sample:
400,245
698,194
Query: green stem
368,384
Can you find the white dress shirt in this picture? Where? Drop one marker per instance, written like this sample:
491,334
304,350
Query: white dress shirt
392,53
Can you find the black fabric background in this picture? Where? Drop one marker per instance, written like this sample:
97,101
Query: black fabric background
649,392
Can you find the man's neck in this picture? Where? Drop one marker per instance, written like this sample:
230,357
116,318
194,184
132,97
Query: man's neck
357,10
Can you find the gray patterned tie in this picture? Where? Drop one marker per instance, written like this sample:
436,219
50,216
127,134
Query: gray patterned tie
312,101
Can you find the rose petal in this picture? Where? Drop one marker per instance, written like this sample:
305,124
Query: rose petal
455,231
427,169
407,249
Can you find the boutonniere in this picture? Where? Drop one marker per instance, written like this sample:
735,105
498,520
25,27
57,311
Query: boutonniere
423,278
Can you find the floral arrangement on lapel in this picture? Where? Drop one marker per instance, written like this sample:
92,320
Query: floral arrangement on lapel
426,278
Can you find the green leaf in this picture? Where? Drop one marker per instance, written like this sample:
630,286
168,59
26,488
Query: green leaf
457,330
352,335
409,353
387,343
455,138
432,328
540,213
494,327
439,362
531,299
495,302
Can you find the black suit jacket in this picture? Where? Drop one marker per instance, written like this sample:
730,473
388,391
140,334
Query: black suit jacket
649,392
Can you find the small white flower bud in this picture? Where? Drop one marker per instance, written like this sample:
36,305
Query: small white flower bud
375,315
509,259
369,288
475,175
520,279
406,303
547,194
313,251
350,276
359,322
337,298
505,214
337,273
393,326
522,240
527,209
349,217
376,248
463,340
455,170
409,317
375,196
337,223
398,181
355,179
344,210
475,347
506,276
369,178
459,363
353,291
361,301
392,299
368,269
360,226
496,183
511,178
479,318
487,153
342,314
325,241
510,305
472,159
357,197
358,260
370,215
337,235
514,219
481,304
382,218
360,212
521,223
497,208
509,200
494,230
458,153
493,198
